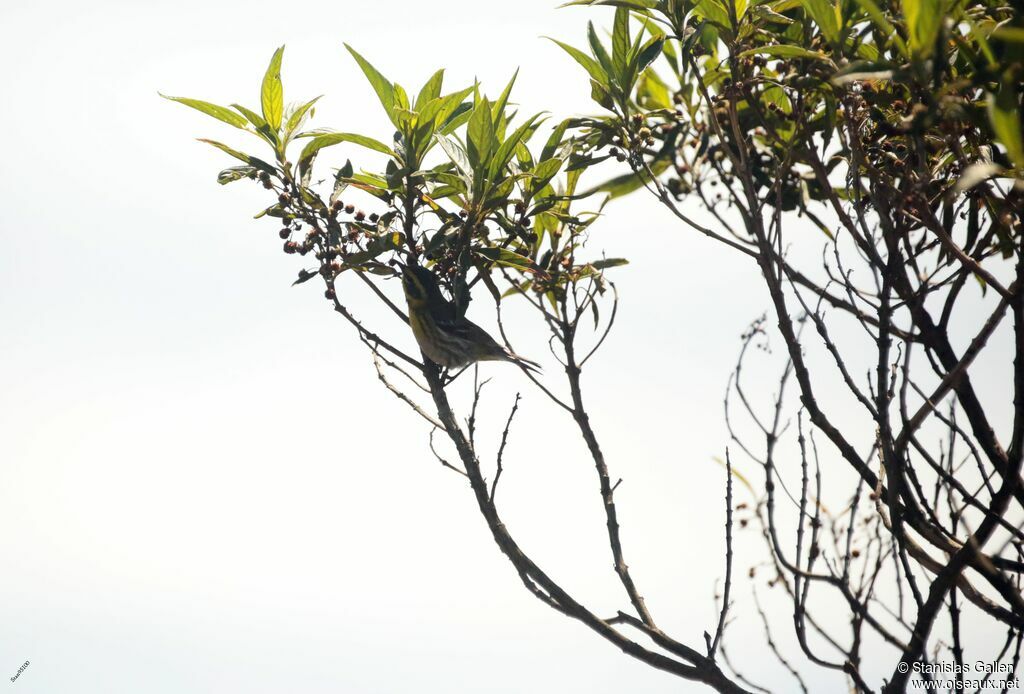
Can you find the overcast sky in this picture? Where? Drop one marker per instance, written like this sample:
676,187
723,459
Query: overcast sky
203,487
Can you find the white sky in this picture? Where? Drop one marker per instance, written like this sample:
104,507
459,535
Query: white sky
205,489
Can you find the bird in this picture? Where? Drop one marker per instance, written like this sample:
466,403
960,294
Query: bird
445,337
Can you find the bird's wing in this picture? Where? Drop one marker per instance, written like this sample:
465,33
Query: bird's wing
471,332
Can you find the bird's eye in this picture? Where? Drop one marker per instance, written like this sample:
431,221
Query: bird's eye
412,288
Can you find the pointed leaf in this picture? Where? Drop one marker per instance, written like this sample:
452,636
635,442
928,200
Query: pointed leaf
381,84
508,147
272,93
480,134
786,52
924,19
592,67
221,113
620,40
297,116
649,53
329,139
458,156
256,119
235,173
554,140
600,53
502,102
252,161
824,15
627,183
503,256
600,94
608,262
430,91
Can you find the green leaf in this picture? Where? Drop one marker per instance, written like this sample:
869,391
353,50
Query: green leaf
503,256
620,40
401,98
329,139
787,52
652,92
608,262
862,70
274,210
430,112
258,122
600,94
544,172
480,134
381,84
499,107
883,23
824,15
256,119
508,147
341,179
221,113
391,240
295,119
458,118
554,141
1004,114
924,19
380,244
457,184
272,93
304,276
1011,34
431,90
627,183
235,173
252,161
649,53
712,11
592,67
458,156
498,195
600,53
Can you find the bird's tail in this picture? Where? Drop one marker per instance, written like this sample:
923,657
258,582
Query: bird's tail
524,363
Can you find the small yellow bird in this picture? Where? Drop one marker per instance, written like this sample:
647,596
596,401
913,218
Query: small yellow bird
446,338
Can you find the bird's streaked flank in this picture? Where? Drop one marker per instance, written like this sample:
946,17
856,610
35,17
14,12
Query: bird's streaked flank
447,339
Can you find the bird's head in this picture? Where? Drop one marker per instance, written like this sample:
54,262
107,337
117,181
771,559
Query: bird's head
419,285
